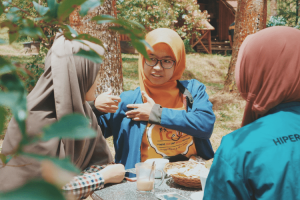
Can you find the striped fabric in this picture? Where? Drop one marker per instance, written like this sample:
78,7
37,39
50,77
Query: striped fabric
84,184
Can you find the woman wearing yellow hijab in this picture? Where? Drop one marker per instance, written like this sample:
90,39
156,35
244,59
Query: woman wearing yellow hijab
164,116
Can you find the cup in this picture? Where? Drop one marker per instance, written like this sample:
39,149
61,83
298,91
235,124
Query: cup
160,165
203,176
145,173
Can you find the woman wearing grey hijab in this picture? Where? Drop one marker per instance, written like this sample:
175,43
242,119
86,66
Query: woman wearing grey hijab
64,87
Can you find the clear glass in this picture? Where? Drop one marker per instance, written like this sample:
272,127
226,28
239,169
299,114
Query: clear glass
145,177
165,63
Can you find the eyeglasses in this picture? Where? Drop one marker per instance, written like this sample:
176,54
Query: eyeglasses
165,63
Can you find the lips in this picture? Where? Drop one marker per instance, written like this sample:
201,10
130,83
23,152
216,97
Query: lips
156,75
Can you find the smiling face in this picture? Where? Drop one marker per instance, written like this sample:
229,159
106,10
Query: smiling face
157,74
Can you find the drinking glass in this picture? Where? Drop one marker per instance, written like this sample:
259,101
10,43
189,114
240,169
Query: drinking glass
145,173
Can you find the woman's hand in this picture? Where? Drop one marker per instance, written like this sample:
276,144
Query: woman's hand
142,111
113,173
107,103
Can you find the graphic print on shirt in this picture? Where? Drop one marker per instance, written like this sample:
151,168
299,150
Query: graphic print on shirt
168,142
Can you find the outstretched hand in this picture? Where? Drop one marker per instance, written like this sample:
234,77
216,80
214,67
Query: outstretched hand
107,103
142,111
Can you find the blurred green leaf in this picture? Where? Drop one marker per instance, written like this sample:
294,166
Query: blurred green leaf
72,30
104,19
139,44
3,159
62,163
17,103
14,9
53,6
13,17
89,38
12,82
28,22
40,9
2,41
6,4
90,55
13,36
9,98
5,66
3,114
34,190
140,47
34,32
15,98
89,5
1,8
67,7
73,126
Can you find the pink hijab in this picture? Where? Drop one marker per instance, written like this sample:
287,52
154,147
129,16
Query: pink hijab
268,70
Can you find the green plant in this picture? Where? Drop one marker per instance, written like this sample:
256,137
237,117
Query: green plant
187,46
276,21
288,10
181,15
48,17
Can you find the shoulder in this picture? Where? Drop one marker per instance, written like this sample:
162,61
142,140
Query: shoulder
252,139
193,86
192,83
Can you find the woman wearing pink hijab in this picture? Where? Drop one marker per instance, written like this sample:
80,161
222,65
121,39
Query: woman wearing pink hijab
261,160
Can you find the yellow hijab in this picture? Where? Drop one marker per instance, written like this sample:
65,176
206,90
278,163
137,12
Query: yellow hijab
166,94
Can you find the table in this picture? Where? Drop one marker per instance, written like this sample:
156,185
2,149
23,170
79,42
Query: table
205,34
127,191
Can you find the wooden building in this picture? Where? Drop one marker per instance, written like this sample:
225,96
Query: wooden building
222,14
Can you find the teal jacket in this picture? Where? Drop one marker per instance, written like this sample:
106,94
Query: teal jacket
260,160
198,121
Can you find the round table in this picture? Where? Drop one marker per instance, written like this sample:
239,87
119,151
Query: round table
127,191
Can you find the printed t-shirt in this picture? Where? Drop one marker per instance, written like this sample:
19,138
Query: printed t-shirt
159,141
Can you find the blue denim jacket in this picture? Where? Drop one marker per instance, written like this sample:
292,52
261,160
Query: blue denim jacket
197,121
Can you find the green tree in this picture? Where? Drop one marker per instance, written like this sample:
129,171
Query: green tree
181,15
288,9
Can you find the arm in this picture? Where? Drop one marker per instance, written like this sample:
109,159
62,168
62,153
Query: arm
93,178
223,182
198,121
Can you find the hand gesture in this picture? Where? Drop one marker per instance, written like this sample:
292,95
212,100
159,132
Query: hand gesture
142,111
107,103
113,173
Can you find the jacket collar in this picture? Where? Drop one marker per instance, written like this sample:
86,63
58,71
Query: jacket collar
185,92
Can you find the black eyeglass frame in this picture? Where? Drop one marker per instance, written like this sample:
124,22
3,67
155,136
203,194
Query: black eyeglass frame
160,63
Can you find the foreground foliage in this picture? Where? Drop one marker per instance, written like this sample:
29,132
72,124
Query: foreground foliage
42,23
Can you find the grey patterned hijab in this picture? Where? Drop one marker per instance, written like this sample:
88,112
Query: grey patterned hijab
60,90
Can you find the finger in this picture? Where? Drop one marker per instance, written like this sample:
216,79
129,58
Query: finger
132,112
136,119
115,98
149,99
134,105
114,107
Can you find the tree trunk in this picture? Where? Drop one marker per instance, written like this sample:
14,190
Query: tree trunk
111,69
251,16
273,7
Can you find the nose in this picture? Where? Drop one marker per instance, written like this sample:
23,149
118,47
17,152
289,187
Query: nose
158,66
